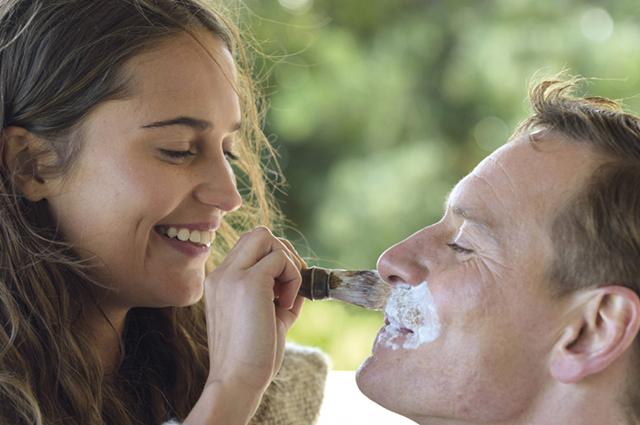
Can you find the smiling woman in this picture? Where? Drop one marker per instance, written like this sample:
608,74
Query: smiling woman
143,187
120,120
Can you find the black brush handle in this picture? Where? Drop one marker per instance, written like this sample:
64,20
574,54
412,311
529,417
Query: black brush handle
315,283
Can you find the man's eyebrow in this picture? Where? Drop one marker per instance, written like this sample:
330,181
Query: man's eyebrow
470,215
197,124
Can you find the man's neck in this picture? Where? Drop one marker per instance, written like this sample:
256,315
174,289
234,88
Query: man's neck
565,404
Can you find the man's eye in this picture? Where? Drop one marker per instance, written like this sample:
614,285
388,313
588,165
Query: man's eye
459,250
231,156
177,155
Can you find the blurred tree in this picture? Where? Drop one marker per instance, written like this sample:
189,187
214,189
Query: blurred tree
378,107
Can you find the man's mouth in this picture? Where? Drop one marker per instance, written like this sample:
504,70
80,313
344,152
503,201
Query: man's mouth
185,235
410,313
398,325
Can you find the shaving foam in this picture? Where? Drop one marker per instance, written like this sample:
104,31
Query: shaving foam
413,308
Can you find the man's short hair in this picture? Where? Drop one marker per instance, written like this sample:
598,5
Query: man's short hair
596,232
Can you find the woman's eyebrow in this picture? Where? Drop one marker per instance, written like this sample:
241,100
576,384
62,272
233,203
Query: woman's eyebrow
195,123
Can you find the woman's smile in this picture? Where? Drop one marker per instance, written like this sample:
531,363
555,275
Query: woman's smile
193,243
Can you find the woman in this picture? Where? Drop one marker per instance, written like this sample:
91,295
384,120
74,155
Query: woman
120,121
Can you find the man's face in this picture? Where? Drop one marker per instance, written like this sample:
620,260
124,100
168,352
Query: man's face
486,265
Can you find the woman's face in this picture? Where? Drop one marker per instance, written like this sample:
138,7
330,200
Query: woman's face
154,163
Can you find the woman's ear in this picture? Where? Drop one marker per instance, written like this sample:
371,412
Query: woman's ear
19,164
600,329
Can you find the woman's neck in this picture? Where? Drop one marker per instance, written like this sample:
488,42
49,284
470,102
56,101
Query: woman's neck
106,326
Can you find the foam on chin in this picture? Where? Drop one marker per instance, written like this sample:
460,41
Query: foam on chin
412,314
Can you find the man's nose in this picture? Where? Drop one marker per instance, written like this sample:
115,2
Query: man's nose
405,262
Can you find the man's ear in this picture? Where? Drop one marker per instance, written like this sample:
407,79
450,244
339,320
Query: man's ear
19,164
601,328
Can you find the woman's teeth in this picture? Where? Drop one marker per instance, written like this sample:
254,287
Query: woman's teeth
184,235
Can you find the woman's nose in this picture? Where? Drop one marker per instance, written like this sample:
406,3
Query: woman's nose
405,262
218,187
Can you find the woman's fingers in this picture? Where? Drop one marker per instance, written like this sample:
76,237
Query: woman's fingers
289,316
297,257
254,246
271,256
286,276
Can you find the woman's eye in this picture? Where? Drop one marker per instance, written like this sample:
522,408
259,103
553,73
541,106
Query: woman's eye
459,250
177,155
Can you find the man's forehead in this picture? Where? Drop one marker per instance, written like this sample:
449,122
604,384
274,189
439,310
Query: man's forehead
498,190
521,181
470,201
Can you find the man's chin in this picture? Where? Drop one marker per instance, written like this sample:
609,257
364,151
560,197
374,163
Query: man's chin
369,379
375,380
370,369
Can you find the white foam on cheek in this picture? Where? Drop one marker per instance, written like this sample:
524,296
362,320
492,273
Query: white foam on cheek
411,307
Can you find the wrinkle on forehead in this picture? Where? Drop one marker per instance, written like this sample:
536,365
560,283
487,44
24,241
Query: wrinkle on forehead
492,189
485,172
497,175
476,200
492,159
521,179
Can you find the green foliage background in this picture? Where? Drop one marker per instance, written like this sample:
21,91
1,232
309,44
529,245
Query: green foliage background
378,107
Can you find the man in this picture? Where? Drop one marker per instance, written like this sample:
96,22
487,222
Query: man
535,273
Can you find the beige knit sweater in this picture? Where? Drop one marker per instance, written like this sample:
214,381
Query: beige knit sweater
295,395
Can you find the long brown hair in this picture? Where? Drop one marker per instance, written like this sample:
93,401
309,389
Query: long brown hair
59,59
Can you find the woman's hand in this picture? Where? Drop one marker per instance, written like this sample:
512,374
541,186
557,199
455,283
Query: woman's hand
247,329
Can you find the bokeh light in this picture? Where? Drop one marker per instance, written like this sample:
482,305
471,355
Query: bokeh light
596,24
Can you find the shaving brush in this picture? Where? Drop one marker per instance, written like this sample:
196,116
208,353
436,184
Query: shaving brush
363,288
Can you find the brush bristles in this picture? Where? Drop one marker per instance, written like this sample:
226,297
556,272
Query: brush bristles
363,288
